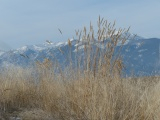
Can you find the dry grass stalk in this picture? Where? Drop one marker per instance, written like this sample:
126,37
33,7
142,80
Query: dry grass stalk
96,92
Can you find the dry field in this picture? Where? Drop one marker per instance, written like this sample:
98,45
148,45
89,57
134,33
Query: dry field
98,92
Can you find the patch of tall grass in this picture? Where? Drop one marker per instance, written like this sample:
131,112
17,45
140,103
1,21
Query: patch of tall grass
91,90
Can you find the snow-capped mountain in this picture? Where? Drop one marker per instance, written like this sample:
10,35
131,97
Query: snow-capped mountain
140,55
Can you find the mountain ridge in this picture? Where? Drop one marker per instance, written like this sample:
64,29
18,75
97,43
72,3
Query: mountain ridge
140,55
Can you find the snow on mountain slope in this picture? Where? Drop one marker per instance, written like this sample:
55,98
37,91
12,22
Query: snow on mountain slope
1,52
140,55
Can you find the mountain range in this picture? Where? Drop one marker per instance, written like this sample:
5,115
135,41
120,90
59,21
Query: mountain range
140,55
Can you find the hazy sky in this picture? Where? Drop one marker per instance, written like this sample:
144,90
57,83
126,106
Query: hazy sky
26,22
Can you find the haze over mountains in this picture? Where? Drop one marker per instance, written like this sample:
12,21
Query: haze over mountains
140,55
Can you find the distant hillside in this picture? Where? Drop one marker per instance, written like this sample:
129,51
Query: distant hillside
140,55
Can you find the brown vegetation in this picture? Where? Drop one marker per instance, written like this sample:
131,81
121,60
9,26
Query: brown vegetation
96,92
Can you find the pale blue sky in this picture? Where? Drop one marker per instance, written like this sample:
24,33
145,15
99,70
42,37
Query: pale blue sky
26,22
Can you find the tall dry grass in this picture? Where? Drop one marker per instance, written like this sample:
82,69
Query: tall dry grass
93,90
